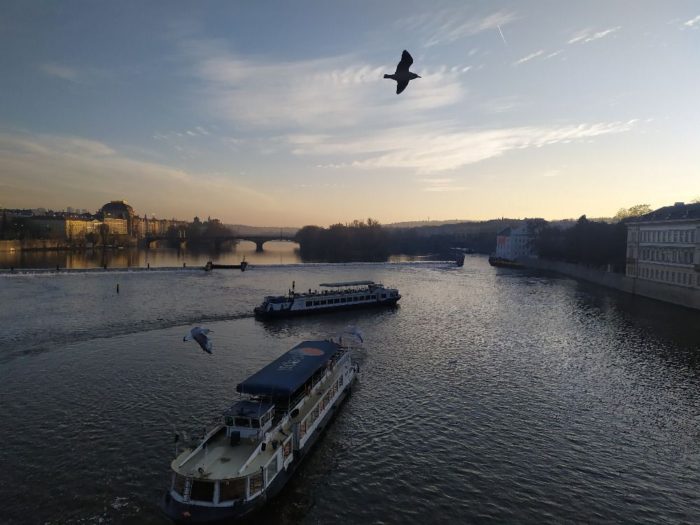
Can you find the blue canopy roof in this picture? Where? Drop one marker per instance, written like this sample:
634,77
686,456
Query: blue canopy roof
286,374
247,408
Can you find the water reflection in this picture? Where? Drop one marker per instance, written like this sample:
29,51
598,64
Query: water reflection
275,252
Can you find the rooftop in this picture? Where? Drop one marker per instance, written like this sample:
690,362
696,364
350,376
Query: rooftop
286,374
678,211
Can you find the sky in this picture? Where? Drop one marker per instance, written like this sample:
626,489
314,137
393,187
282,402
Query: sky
277,113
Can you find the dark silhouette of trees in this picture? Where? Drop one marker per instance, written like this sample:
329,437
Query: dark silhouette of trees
633,211
590,243
356,241
198,232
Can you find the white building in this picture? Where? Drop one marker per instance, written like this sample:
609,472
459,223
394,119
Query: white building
664,246
513,243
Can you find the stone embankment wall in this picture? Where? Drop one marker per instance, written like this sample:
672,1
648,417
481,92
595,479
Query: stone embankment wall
681,295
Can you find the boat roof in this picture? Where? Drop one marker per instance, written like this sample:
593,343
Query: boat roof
247,408
347,283
286,374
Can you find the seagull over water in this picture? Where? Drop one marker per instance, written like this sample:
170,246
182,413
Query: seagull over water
200,335
403,75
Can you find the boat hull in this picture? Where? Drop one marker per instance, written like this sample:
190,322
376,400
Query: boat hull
180,512
275,314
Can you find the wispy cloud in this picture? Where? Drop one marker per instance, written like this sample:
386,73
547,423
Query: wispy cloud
529,57
449,25
440,185
57,168
59,71
323,93
692,22
430,149
587,35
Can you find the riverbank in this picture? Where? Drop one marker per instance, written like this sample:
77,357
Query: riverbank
680,295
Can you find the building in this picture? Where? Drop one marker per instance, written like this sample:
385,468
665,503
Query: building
78,228
514,243
119,216
664,246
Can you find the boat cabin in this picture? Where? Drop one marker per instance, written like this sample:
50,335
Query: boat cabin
248,419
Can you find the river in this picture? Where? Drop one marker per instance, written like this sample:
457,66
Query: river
489,395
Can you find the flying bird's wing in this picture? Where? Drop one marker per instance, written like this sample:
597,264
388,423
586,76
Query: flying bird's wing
406,61
400,86
204,342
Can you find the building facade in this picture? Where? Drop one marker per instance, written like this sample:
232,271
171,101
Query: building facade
514,243
664,246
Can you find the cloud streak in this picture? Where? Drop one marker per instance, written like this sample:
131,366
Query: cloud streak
324,93
57,168
429,150
529,57
59,71
449,25
692,22
587,35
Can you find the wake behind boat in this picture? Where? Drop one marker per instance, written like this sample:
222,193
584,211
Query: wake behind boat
260,440
337,296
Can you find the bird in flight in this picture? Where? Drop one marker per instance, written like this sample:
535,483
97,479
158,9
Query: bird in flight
200,335
403,75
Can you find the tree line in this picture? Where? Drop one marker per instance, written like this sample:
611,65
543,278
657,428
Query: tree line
356,241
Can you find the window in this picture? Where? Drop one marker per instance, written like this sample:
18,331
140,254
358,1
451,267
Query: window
309,303
256,483
202,491
242,422
316,303
272,469
232,489
343,300
179,484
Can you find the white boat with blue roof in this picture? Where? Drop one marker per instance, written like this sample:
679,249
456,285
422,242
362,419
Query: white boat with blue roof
260,440
333,296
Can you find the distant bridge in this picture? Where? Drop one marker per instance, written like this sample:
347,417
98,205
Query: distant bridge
217,241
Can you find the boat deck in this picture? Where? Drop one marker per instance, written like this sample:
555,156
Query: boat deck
221,460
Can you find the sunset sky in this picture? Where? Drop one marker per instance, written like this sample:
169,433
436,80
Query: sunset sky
276,113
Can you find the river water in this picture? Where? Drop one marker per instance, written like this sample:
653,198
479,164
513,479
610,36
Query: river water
489,395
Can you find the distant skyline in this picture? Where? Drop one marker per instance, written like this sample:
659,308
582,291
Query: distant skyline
278,115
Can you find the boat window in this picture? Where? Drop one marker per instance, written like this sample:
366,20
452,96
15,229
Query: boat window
242,422
323,302
232,489
309,303
179,485
316,303
336,301
255,423
202,491
343,300
228,420
383,296
256,483
272,469
374,296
